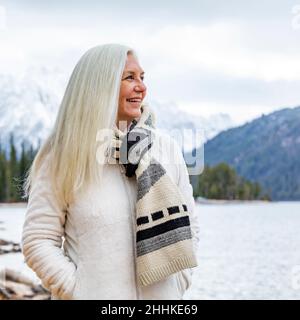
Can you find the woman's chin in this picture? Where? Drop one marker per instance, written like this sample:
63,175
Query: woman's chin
135,112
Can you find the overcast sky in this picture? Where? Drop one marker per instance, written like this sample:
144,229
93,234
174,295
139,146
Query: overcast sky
236,57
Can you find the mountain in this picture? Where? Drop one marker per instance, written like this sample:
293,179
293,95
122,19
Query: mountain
170,118
29,103
266,150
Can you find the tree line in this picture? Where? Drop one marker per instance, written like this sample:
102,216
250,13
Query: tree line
218,182
13,168
222,182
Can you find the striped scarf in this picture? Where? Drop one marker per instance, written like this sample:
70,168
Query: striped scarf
163,233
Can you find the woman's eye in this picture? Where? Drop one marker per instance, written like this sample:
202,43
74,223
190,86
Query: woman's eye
131,77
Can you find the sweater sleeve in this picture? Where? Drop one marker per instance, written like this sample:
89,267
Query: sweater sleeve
187,191
42,236
186,188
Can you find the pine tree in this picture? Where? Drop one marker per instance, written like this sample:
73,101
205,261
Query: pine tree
3,176
222,182
13,172
24,165
13,169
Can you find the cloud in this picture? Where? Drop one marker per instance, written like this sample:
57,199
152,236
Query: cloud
222,48
2,17
228,56
164,12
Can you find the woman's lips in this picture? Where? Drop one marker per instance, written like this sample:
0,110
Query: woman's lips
135,102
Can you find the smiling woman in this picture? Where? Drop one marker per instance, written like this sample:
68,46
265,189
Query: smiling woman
132,91
128,228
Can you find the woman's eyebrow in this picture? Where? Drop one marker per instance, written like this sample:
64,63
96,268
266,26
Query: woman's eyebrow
133,72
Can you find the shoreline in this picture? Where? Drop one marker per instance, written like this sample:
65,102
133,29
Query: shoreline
198,200
224,201
14,204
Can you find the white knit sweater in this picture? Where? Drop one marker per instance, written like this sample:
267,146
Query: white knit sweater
96,260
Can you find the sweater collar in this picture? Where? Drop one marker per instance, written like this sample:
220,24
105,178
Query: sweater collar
147,118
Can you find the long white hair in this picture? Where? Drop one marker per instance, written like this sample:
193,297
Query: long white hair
90,104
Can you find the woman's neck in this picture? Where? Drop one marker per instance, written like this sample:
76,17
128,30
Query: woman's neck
123,125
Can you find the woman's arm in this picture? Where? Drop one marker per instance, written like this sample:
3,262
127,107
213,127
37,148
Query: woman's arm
42,239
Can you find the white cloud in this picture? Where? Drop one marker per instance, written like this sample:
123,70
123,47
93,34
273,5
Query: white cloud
296,17
221,49
2,17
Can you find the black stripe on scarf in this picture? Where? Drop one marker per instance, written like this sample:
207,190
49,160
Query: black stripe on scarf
162,228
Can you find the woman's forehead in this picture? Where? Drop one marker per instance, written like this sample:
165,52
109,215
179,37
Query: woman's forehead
132,65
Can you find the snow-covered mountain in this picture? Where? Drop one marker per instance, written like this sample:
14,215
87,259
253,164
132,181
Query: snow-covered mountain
195,130
29,103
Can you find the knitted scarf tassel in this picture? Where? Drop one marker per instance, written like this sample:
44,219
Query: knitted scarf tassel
163,233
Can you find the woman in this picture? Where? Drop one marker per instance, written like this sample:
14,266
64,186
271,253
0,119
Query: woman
87,232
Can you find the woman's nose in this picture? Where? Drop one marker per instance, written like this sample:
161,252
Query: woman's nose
140,87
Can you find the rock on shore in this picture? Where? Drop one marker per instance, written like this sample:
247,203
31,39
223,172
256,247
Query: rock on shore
13,284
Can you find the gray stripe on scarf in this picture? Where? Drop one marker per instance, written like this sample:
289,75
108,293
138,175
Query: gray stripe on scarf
149,177
163,240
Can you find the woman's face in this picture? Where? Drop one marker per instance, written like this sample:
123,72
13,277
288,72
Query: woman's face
132,91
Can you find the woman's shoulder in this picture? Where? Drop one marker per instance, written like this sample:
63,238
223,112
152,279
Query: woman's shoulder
168,144
42,168
41,174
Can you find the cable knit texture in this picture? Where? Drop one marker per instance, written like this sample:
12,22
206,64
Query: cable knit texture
89,249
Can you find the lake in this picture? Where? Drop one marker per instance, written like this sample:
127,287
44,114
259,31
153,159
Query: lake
247,251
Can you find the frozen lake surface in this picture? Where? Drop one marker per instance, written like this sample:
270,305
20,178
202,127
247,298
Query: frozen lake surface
247,251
